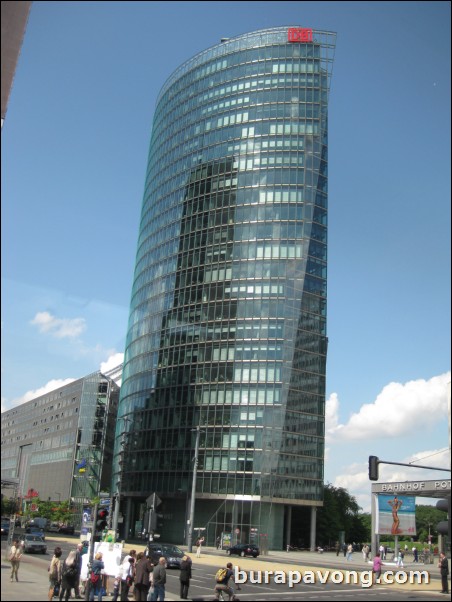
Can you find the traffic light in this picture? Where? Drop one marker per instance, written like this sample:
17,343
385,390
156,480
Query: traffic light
101,521
373,468
443,526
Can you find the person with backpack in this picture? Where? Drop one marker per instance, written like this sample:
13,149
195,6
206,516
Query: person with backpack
222,577
69,574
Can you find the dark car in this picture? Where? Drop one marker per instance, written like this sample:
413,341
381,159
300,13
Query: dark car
66,529
5,528
35,531
172,554
244,549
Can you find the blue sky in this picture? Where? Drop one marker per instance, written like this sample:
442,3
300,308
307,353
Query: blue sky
74,152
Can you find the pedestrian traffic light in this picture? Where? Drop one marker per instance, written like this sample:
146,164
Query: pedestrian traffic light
101,521
373,468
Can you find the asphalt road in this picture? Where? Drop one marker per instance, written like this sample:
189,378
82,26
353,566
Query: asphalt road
33,577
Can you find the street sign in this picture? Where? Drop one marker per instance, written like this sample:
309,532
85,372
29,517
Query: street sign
153,501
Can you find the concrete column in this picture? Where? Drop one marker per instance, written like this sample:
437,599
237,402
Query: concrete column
128,518
288,524
313,528
374,537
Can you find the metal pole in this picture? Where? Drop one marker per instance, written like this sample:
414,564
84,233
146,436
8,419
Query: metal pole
115,520
193,494
91,553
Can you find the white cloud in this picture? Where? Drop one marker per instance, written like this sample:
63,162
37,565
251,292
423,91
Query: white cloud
29,395
398,410
60,328
331,415
112,362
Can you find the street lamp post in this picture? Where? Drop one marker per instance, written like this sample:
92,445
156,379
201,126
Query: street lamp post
193,492
115,520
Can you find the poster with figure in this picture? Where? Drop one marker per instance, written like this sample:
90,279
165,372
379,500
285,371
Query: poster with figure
396,515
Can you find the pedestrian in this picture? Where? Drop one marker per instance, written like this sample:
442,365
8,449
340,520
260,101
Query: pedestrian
55,572
79,553
337,547
127,573
96,577
344,549
365,551
199,543
159,580
184,577
222,578
415,554
349,552
69,573
376,567
15,554
399,560
143,570
217,542
116,588
443,566
382,552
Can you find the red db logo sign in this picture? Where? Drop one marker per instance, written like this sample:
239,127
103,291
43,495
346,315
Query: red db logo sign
299,34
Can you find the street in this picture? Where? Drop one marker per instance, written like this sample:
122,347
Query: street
326,577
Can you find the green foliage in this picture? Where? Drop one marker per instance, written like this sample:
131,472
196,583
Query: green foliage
340,512
8,506
60,512
427,519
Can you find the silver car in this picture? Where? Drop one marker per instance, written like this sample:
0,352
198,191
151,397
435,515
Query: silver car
34,543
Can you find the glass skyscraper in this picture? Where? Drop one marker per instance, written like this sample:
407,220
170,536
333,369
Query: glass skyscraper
227,326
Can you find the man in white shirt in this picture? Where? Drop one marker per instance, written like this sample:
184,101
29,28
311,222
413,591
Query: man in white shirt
126,571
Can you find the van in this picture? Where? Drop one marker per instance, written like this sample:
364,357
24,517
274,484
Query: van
42,523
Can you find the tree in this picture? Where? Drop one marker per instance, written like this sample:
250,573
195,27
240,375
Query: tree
339,513
427,519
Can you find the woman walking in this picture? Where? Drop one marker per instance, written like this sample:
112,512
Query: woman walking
55,571
15,554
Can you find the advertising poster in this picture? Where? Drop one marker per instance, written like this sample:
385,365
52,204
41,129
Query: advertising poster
225,540
396,515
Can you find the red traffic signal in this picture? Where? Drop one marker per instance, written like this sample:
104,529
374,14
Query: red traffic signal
101,521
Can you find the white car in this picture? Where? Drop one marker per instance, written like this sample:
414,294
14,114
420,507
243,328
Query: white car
34,543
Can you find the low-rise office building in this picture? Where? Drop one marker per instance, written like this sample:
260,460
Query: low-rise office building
59,445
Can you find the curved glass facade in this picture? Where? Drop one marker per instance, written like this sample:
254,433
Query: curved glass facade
227,327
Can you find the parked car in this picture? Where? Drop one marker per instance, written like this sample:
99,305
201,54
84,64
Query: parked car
171,553
5,528
35,531
67,529
54,527
244,549
34,543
